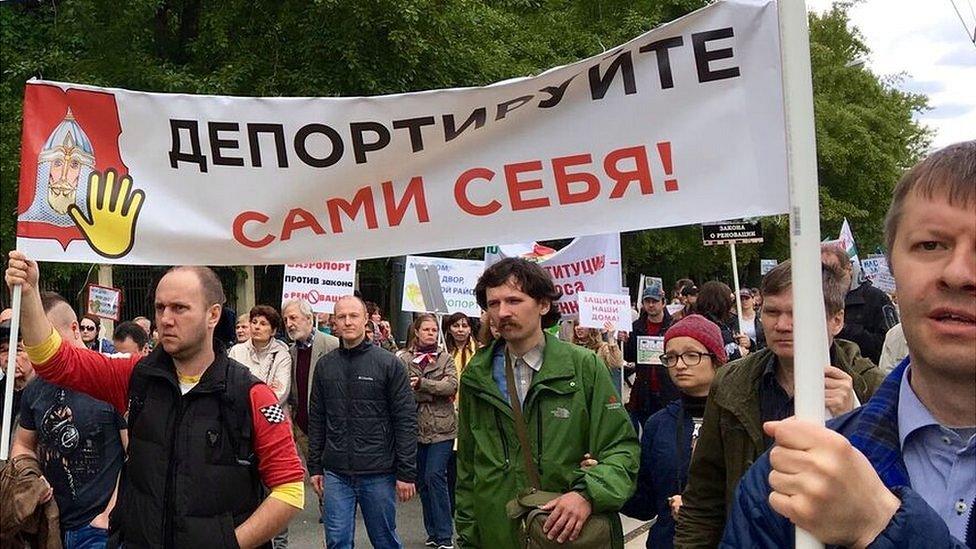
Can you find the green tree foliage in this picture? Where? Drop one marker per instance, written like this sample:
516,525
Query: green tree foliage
344,47
866,137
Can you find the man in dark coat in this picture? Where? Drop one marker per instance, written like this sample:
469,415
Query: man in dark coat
362,433
653,388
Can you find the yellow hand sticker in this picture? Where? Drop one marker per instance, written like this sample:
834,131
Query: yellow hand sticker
113,209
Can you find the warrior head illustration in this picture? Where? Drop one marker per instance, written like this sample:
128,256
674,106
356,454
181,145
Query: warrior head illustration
65,161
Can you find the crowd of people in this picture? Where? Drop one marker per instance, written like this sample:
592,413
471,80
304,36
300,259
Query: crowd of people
511,432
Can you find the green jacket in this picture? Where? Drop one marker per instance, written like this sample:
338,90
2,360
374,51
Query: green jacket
572,409
731,438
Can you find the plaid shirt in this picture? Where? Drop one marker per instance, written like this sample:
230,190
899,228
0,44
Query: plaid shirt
875,431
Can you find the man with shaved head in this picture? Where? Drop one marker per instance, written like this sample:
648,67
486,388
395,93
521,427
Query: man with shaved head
362,433
78,441
212,436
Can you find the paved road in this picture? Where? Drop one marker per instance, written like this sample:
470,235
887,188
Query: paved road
306,532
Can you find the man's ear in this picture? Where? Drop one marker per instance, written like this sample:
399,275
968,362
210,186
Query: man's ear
546,306
213,315
835,324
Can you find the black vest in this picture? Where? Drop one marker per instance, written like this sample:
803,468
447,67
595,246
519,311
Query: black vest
191,475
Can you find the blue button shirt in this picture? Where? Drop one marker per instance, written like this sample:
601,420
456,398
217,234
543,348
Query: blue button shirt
941,462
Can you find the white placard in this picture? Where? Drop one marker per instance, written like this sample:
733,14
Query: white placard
104,302
766,265
441,285
875,269
320,283
649,349
596,309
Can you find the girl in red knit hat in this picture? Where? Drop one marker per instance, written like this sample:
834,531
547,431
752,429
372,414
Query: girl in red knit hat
693,349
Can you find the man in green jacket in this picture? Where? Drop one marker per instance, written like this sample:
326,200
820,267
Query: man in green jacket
759,388
569,404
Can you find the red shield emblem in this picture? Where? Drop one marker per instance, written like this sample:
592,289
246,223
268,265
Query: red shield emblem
68,134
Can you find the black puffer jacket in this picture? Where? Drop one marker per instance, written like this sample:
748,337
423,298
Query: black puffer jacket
362,417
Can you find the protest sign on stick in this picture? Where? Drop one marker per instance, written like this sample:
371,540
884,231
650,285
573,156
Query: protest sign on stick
596,309
320,283
441,285
649,349
731,233
104,302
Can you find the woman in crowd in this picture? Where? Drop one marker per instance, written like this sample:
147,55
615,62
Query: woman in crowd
459,340
462,345
715,303
693,349
89,327
433,378
751,324
243,328
265,356
609,352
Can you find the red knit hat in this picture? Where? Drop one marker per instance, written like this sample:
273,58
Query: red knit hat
702,330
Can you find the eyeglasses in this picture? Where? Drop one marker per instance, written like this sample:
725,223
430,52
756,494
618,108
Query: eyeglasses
85,328
690,358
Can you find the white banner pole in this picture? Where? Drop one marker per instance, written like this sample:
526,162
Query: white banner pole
620,345
442,337
8,390
735,280
809,326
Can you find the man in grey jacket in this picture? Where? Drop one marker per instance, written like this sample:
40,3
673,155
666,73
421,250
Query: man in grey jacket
308,345
362,434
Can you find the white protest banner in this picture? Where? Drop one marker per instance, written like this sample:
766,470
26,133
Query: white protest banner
104,302
587,264
320,283
683,124
766,265
596,309
875,269
649,349
441,285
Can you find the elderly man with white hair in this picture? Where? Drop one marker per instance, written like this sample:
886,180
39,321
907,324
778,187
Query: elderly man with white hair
307,347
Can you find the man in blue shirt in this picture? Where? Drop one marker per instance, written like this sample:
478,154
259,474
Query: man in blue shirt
901,470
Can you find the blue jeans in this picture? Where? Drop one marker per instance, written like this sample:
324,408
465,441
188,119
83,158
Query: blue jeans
432,462
86,537
376,496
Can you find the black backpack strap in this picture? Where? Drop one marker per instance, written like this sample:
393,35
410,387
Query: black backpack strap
235,413
138,388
